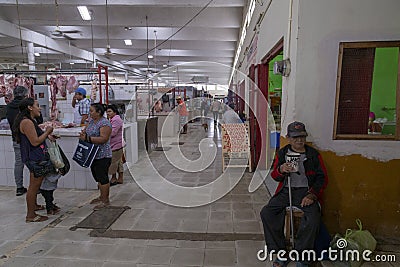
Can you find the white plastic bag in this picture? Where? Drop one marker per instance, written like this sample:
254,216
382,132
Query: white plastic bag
55,155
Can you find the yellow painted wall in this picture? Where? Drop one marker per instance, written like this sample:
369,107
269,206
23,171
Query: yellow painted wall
361,188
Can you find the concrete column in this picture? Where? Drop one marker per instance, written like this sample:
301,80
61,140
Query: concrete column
126,77
31,56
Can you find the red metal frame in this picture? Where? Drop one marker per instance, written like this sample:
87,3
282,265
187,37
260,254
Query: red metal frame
262,117
241,98
252,120
99,71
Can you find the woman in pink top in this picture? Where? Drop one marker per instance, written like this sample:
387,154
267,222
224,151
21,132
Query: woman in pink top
116,142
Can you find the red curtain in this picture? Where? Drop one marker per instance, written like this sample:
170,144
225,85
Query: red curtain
355,90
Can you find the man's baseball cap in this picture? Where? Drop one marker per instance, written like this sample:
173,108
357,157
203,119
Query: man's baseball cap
81,91
296,129
178,97
20,91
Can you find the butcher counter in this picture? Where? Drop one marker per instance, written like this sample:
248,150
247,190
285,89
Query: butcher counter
77,177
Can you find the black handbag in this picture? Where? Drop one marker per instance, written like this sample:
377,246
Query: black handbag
41,168
64,170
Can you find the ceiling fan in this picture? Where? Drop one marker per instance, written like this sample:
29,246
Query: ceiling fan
108,52
58,32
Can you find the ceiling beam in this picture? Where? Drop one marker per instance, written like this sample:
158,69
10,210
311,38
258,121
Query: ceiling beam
12,30
172,3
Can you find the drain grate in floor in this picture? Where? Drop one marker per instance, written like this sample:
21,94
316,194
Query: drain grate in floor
177,143
176,235
101,219
165,148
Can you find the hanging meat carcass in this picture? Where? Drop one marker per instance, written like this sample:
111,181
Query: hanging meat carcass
61,82
2,83
93,91
53,97
8,84
19,81
28,83
2,86
72,84
5,90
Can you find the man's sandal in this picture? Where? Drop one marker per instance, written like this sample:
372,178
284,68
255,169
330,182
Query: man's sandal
38,218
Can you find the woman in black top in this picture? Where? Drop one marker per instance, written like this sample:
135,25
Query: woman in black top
33,150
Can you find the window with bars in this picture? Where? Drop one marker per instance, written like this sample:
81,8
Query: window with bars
367,91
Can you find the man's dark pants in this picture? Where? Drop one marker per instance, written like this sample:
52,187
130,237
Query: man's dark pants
273,218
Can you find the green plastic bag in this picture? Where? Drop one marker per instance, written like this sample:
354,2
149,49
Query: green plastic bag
363,237
337,243
359,240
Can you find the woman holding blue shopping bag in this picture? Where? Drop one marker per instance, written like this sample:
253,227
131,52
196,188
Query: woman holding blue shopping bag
98,132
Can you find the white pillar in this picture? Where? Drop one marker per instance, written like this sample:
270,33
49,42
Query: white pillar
31,56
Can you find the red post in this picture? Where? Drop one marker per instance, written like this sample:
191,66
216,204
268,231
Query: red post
99,71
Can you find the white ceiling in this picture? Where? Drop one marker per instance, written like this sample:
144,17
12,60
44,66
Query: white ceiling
211,34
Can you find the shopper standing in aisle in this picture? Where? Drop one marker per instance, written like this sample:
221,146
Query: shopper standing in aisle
98,132
183,115
33,152
12,110
116,142
215,106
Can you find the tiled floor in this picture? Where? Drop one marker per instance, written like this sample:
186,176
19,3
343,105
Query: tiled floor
52,243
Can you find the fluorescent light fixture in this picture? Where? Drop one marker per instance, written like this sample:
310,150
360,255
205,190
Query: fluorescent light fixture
128,42
150,56
37,54
85,14
71,63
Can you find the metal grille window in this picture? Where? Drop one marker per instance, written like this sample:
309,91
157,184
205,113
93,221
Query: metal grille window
367,91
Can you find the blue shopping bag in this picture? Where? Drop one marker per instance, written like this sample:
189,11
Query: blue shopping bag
85,153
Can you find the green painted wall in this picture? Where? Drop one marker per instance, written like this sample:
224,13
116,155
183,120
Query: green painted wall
384,82
274,81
